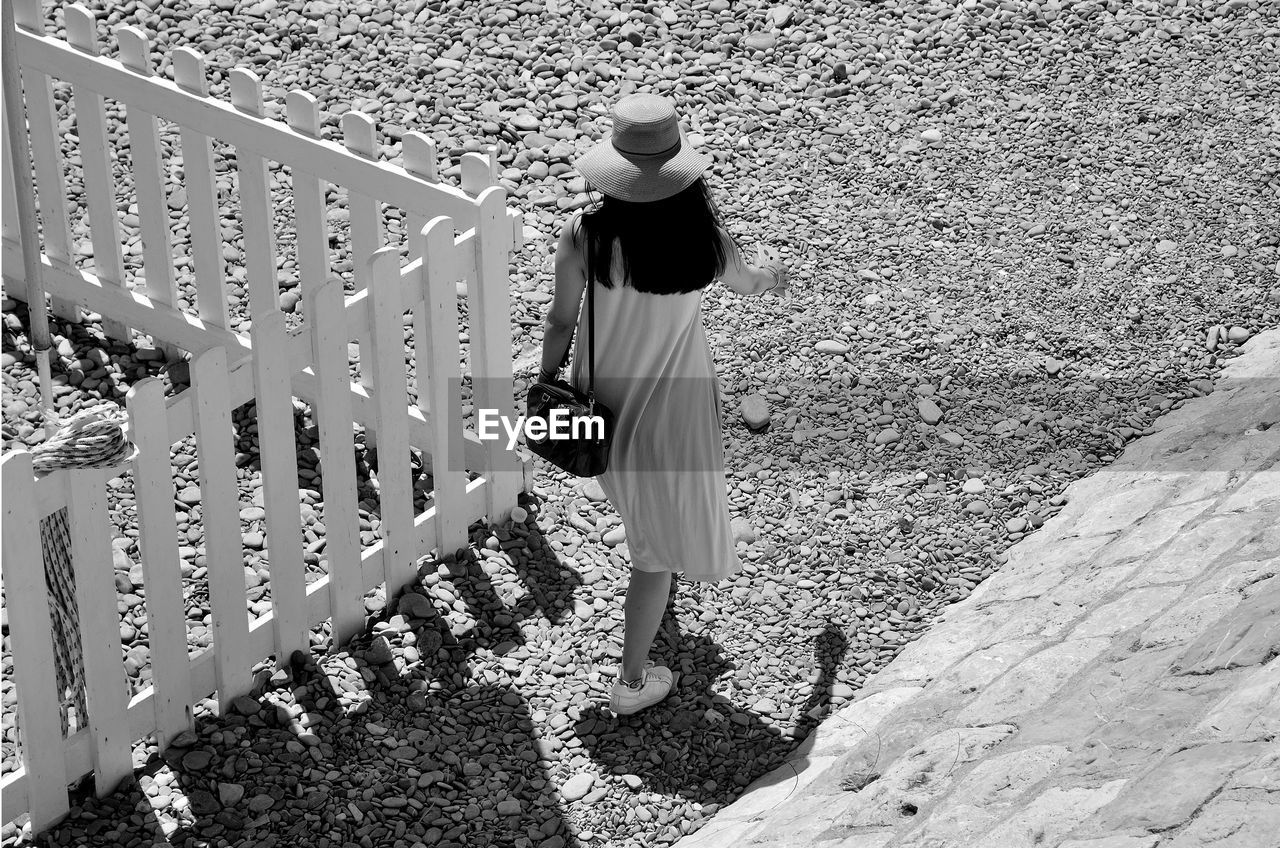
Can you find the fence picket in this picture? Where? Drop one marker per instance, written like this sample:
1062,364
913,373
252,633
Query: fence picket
106,689
479,172
220,511
191,334
46,156
365,215
30,626
270,366
99,188
148,181
9,220
277,454
255,205
309,206
395,483
439,380
202,197
153,490
491,358
270,139
332,412
422,368
419,154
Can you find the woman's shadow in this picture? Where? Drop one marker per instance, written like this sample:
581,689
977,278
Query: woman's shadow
684,743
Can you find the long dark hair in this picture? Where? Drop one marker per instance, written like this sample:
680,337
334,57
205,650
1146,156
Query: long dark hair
670,246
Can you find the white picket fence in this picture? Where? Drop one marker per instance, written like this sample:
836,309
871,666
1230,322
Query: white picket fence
455,235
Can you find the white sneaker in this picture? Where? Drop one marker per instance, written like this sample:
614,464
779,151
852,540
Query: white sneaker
654,685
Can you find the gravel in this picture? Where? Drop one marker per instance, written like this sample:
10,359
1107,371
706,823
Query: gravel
1019,234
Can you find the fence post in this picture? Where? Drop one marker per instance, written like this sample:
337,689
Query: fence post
278,456
439,379
255,205
332,411
42,123
419,154
308,202
220,512
479,172
99,187
106,690
365,218
202,197
491,357
395,484
9,220
30,628
158,549
148,182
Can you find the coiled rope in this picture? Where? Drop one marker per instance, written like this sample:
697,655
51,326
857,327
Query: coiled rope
92,438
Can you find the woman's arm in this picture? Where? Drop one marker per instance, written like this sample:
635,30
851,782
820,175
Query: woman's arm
562,317
740,276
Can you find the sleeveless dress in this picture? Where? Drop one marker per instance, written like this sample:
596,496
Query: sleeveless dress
666,478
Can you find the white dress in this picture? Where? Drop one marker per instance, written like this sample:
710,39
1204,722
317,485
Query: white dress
666,477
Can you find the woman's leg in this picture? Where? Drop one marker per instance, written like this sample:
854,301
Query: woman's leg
647,595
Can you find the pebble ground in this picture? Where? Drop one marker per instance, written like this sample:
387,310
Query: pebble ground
1021,233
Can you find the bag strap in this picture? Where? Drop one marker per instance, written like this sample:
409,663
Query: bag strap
591,347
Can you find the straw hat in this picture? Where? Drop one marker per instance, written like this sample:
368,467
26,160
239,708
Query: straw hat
647,157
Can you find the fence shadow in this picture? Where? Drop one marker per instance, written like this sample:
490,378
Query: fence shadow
439,752
433,747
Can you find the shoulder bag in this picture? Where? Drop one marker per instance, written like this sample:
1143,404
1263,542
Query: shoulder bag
581,449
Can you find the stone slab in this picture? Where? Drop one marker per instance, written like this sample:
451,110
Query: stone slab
1238,818
1176,786
1050,816
1249,635
1032,682
987,793
1133,608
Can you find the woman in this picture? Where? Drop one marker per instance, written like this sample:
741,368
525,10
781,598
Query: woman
650,246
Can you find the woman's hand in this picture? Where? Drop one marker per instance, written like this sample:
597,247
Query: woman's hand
768,259
769,273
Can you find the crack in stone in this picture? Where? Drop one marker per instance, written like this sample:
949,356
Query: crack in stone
1192,817
1272,653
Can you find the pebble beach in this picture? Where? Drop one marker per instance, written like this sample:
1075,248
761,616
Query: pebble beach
1019,234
